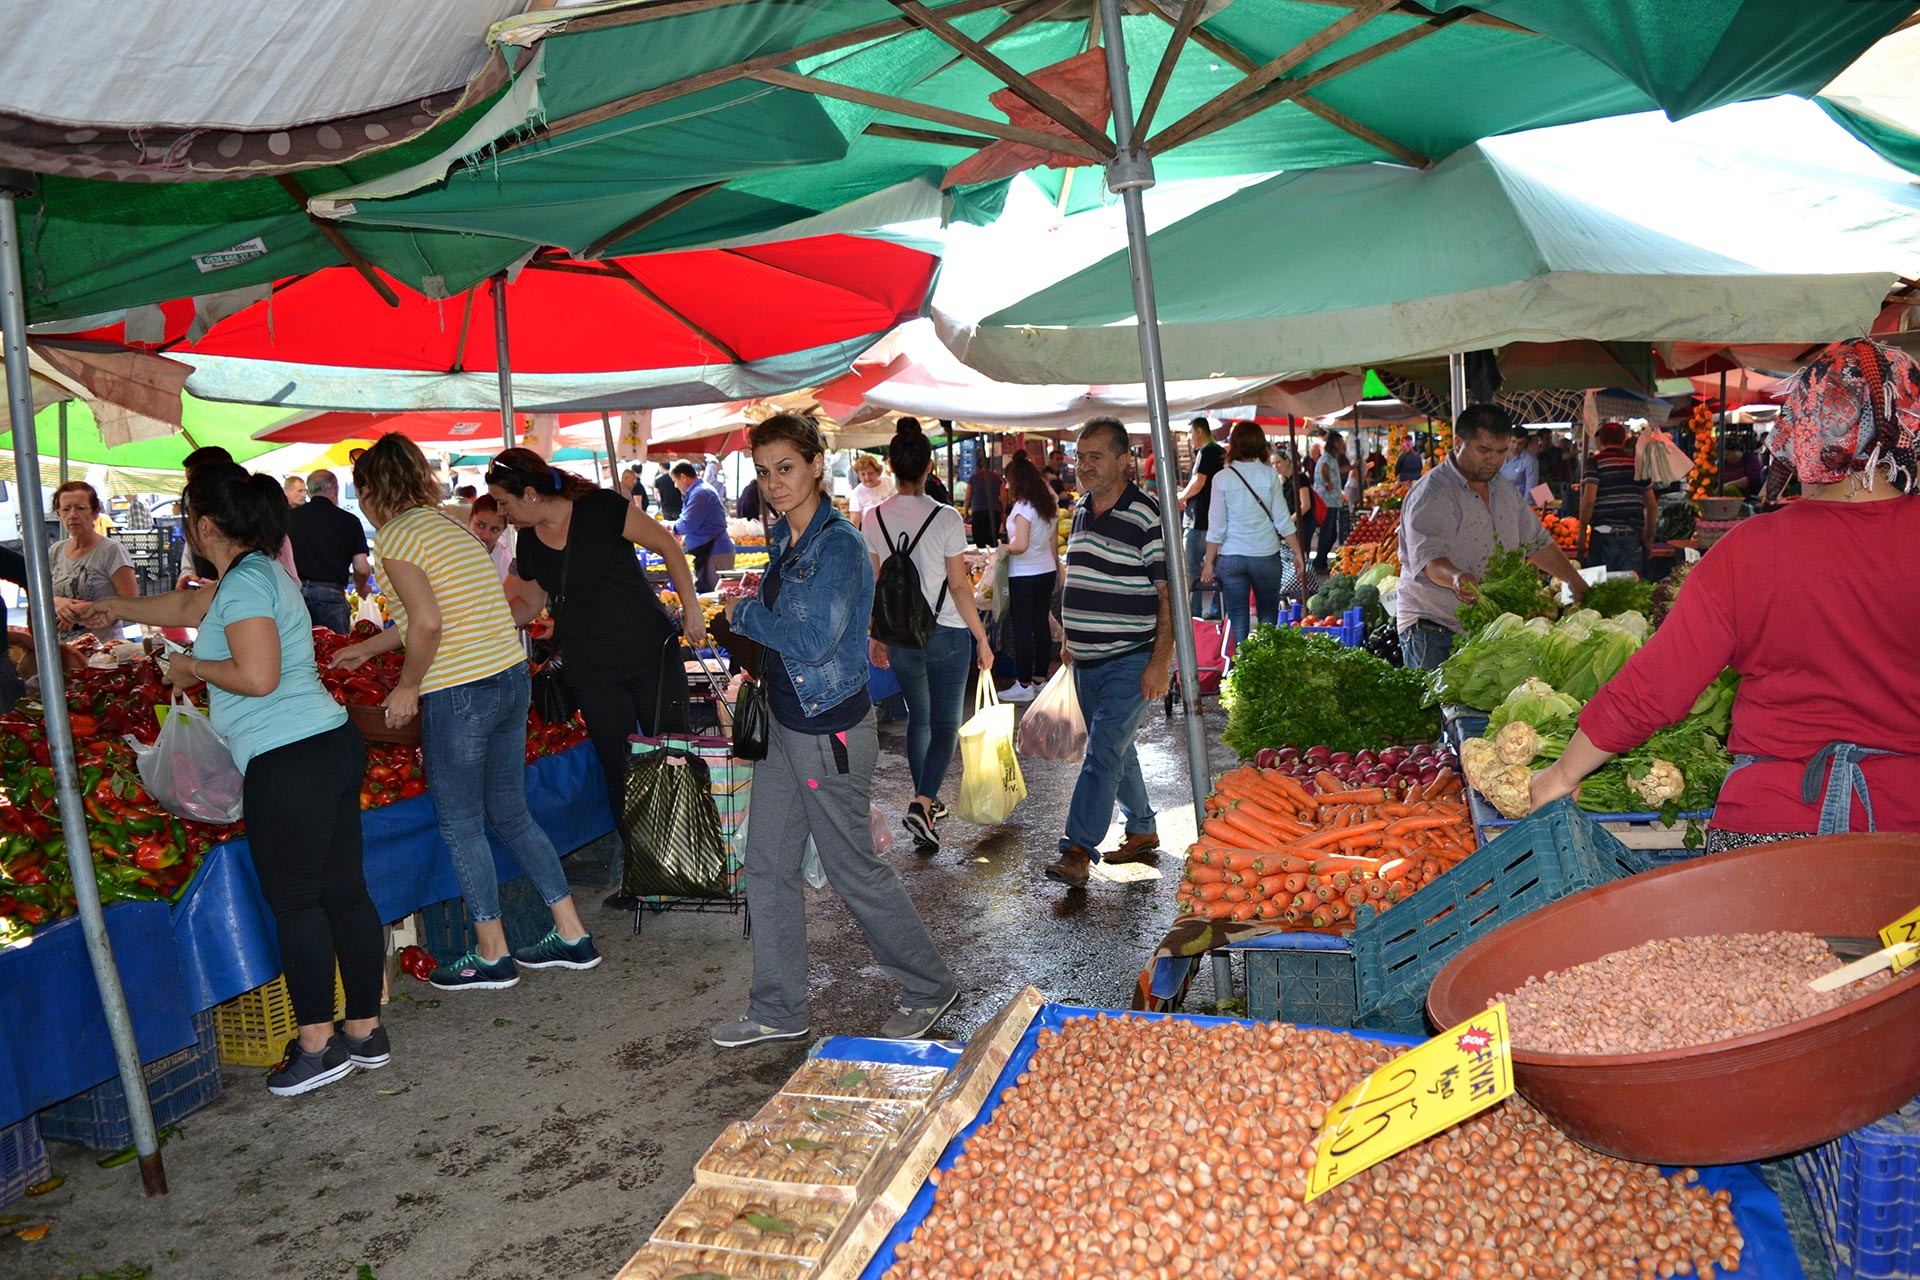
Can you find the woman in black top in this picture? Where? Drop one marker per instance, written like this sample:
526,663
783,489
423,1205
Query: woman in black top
574,556
983,501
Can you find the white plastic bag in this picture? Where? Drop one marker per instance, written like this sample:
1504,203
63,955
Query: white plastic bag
188,769
990,780
877,827
369,611
1053,728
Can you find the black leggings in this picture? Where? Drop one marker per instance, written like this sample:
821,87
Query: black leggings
1029,600
614,705
303,826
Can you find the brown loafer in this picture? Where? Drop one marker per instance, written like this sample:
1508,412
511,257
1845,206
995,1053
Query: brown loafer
1136,848
1073,868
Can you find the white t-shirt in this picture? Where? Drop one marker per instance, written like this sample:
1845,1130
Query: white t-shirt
866,497
502,554
1038,557
903,514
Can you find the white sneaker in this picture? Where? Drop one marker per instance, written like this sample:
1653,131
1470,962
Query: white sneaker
1020,693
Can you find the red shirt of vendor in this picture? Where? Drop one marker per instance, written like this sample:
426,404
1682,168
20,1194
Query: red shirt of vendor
1813,606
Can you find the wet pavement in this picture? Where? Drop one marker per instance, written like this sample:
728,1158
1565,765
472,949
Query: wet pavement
543,1131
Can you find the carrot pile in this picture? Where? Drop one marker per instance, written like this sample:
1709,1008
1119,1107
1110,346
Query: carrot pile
1271,848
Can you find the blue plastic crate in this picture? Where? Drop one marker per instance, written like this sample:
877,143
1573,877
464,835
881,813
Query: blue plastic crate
446,930
1865,1192
1554,853
1352,631
177,1086
23,1160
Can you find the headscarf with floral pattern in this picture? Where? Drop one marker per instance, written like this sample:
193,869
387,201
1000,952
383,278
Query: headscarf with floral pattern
1854,410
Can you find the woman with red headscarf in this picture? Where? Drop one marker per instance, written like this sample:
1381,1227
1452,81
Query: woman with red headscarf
1812,605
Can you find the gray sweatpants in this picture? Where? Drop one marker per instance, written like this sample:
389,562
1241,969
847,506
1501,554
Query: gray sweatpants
817,784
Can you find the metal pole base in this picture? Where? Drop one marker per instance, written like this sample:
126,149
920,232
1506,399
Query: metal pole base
153,1173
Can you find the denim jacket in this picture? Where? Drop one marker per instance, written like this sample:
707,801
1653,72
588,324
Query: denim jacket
819,625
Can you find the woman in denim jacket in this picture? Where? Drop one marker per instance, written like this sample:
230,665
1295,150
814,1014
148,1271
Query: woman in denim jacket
811,618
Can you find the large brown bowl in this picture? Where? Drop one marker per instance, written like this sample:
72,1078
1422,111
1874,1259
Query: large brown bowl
1733,1101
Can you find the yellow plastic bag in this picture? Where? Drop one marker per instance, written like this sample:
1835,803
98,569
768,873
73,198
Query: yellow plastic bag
990,780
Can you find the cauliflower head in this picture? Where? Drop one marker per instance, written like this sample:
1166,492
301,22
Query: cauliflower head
1662,783
1478,759
1517,742
1508,790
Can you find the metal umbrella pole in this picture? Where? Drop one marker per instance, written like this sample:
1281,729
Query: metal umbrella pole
501,362
1129,174
606,429
1457,383
53,688
63,441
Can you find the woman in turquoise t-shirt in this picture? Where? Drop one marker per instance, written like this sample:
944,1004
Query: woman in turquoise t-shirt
301,759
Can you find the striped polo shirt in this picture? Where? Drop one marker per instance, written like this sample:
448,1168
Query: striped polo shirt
1116,562
1620,501
477,635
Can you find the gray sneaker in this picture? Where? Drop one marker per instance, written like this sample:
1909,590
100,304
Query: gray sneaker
911,1024
302,1072
742,1032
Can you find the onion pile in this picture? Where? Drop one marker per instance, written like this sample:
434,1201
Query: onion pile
1395,770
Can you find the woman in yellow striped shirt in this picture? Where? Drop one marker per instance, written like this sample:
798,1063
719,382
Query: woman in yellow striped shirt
466,673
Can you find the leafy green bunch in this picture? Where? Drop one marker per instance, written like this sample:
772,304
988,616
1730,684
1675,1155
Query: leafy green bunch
1289,689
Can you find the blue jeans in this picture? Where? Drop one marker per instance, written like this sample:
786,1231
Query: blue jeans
1111,701
1261,577
327,606
1196,552
934,680
1424,648
474,741
1620,550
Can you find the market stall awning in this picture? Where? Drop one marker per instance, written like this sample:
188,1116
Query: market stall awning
869,98
456,429
620,333
131,395
1371,264
202,423
1877,99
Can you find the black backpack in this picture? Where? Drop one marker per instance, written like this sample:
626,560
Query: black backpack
901,614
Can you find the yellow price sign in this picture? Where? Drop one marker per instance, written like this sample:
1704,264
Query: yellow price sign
1904,930
1430,1087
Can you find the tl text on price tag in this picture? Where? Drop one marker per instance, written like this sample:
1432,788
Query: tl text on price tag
1904,930
1430,1087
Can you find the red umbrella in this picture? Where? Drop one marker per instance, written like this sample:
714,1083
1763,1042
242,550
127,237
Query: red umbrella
652,311
479,428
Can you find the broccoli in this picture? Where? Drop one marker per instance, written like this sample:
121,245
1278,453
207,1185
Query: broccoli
1338,592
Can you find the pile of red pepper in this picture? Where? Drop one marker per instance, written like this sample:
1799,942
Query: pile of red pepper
143,853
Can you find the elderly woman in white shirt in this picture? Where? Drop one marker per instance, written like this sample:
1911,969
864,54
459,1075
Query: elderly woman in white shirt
1247,519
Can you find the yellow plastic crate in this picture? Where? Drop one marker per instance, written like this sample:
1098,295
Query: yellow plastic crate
252,1029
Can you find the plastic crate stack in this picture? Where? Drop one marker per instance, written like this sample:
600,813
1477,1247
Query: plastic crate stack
23,1160
1865,1192
1378,976
1352,632
177,1086
253,1028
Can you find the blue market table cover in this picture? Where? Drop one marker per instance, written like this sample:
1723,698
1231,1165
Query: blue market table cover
1769,1252
219,940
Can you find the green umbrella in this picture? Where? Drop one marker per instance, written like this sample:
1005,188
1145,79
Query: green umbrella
204,422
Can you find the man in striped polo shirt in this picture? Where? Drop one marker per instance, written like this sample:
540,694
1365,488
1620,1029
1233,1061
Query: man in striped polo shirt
1119,638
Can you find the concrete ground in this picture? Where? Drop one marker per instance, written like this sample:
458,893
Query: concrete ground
542,1132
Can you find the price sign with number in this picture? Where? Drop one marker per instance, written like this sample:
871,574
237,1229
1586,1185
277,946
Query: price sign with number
1905,929
1430,1087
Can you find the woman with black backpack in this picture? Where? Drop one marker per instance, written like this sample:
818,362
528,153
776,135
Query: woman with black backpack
922,616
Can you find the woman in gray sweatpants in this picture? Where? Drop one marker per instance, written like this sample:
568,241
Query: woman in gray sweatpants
811,618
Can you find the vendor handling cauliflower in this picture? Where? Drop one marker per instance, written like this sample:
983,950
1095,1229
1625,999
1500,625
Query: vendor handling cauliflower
1813,606
1449,527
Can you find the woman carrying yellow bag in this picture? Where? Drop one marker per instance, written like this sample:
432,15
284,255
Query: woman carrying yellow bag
990,780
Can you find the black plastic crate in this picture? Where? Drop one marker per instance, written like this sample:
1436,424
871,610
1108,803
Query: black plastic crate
446,930
177,1086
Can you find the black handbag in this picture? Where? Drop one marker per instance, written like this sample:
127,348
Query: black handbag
752,722
552,701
